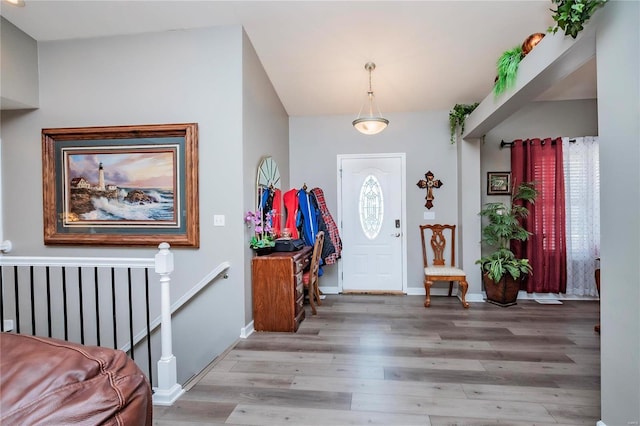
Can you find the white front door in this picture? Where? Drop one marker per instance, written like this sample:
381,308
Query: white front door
371,196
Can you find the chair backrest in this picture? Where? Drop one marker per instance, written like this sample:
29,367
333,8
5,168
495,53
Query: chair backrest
315,257
438,242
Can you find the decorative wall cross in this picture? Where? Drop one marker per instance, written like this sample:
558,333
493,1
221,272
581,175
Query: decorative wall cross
430,183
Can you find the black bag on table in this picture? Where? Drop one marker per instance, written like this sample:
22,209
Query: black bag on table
288,244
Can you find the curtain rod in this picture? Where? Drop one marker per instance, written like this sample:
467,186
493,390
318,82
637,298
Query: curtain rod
510,144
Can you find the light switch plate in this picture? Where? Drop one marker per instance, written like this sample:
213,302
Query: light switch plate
429,215
218,220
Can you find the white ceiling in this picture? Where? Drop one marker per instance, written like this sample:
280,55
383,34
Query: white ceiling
430,55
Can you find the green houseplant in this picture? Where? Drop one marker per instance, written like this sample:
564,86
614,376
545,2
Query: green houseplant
457,117
502,271
507,67
571,15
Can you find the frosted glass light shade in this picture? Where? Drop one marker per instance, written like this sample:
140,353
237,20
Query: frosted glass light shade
370,125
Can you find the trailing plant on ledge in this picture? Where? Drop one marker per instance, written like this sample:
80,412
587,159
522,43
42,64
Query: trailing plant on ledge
570,15
507,69
457,117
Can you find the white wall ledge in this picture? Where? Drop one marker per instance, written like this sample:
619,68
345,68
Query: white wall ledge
552,60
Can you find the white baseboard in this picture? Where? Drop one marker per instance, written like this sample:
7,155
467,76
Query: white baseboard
476,297
8,325
523,295
247,331
600,423
419,291
167,397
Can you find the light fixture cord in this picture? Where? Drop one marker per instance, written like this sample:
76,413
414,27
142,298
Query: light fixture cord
370,94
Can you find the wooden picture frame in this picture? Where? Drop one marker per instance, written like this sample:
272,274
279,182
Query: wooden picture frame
498,183
121,185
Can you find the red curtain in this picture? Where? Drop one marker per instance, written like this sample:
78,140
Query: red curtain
540,161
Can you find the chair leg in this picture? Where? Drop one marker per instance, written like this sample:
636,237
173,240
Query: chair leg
450,288
427,288
310,293
464,286
317,292
596,328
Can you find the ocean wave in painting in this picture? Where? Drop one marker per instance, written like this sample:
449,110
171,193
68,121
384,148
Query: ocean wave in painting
161,209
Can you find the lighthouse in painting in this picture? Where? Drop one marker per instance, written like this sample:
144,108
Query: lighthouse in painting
100,178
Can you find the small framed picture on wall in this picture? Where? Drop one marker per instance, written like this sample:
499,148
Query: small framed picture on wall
498,183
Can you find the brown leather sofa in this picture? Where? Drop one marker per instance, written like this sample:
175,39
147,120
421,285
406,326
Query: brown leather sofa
52,382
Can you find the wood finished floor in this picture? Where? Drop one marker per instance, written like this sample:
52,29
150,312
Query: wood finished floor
387,360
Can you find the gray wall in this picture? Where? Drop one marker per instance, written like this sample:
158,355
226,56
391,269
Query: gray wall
265,128
423,136
618,61
19,63
171,77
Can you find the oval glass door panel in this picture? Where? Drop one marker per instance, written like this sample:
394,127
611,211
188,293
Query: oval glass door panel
371,206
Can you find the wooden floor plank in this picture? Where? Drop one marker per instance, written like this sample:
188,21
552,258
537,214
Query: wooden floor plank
573,414
404,404
410,362
387,360
277,416
268,380
381,387
538,367
280,356
196,411
342,370
468,421
530,394
269,396
470,377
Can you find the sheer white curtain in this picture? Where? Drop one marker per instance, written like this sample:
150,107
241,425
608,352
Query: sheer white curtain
582,199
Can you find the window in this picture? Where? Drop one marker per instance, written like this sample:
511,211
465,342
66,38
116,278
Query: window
371,207
582,201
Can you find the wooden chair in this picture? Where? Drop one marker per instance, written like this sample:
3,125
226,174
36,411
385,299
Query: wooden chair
310,277
596,328
438,270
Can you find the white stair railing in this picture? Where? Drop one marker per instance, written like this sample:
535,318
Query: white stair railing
168,389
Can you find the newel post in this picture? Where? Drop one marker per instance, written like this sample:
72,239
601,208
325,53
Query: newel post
168,389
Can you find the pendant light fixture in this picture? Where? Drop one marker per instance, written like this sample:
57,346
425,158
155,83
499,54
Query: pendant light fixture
370,124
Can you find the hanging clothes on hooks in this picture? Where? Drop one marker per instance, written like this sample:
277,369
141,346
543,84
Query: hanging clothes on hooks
276,218
290,199
328,248
271,201
307,222
331,227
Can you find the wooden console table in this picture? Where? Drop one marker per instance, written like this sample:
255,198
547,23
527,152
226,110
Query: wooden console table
278,292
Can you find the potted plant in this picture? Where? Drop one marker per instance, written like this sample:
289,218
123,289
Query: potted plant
457,117
262,240
507,66
502,271
571,15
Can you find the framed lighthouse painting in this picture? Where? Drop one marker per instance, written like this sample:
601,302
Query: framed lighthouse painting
121,185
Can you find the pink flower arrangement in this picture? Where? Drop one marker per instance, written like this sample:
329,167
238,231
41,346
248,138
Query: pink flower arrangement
262,236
